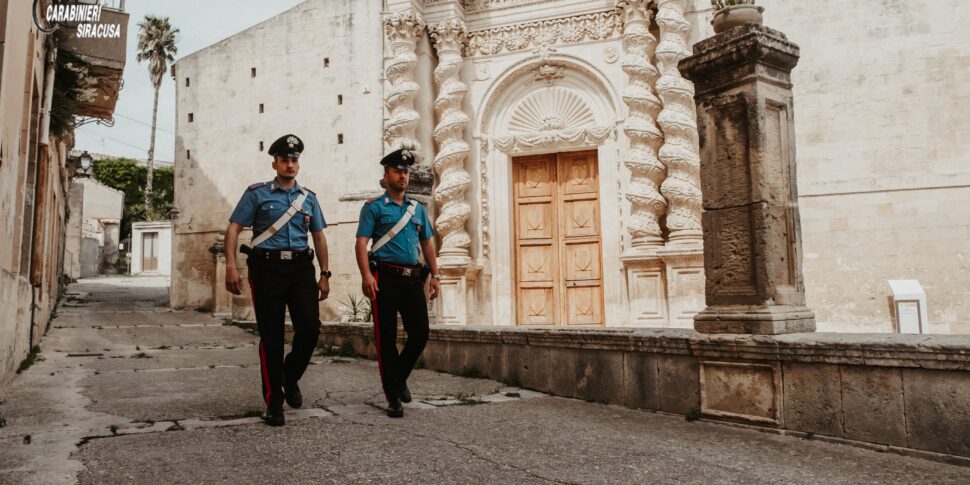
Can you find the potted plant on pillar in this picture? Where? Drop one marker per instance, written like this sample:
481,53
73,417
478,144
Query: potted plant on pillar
732,13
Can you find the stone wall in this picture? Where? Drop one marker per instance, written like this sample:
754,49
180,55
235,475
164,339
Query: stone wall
900,393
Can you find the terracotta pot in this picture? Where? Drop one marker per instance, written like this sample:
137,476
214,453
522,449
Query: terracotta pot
735,15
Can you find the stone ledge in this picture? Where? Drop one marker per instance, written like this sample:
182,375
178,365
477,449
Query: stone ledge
941,352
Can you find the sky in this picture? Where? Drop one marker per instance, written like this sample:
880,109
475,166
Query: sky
201,23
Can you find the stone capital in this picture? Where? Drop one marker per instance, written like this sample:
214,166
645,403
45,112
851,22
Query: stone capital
404,26
739,55
633,10
448,35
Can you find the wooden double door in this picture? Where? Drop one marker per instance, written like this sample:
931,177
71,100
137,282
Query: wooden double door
558,257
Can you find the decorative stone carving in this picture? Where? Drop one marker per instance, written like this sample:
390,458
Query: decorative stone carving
483,162
449,163
551,117
647,205
678,121
548,73
611,54
402,30
596,26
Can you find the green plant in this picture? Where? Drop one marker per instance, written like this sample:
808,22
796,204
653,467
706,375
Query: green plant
156,44
356,309
30,359
719,4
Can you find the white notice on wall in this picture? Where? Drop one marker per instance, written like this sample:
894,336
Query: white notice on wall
908,314
909,301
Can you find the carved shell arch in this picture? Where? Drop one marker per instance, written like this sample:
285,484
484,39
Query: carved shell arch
551,109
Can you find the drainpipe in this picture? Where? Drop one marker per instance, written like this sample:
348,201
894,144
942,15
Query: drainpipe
41,208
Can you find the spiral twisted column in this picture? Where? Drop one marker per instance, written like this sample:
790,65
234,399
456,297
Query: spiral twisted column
678,120
647,205
403,31
449,134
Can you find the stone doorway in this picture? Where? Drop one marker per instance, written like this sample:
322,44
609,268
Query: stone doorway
557,239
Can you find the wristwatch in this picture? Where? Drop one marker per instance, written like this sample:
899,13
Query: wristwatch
328,274
436,276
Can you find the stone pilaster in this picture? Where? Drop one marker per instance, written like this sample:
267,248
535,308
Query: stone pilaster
647,205
752,234
449,133
678,121
403,31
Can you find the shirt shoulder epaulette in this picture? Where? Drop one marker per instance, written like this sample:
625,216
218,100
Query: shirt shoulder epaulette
256,185
310,191
372,200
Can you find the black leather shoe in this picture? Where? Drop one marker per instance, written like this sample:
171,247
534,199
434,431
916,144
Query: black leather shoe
405,394
394,408
293,396
274,416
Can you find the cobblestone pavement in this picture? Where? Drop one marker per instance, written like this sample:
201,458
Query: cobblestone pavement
128,391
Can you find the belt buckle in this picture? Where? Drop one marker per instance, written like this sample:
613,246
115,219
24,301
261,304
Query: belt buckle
286,255
406,272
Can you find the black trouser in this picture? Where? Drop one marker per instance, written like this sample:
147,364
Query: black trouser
404,295
277,285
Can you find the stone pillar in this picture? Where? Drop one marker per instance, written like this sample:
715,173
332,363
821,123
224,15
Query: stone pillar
402,30
453,179
752,234
678,121
646,171
221,298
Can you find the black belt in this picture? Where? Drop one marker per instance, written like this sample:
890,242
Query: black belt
403,270
281,254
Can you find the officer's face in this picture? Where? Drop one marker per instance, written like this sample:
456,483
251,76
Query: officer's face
286,167
397,179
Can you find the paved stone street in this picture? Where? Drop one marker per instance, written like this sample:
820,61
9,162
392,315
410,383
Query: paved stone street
128,391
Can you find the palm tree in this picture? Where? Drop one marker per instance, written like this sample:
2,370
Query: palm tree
156,44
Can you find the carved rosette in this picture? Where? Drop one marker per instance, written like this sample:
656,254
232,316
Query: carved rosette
678,120
647,205
403,31
449,133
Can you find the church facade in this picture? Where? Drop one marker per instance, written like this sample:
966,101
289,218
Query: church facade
560,153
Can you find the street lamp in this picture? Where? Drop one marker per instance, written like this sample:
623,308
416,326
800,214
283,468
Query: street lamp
85,159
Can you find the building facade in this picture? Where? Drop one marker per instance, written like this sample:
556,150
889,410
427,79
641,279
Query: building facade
35,171
560,141
93,229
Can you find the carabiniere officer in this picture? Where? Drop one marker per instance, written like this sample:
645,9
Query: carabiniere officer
281,273
392,276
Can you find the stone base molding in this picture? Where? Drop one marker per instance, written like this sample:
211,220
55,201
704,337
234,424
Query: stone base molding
760,319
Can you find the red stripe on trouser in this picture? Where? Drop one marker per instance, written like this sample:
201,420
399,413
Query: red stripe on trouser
377,338
262,349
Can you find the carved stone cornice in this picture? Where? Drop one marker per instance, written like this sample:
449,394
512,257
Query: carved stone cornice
647,205
678,121
477,6
449,133
512,38
403,29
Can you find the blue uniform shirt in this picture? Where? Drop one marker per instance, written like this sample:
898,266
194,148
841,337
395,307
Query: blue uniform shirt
381,214
262,204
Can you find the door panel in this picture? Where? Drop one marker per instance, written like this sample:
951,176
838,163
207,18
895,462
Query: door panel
558,252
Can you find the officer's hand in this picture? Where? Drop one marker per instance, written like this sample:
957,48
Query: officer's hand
233,281
324,285
435,288
369,286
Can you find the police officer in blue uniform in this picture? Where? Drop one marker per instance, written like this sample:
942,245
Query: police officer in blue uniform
392,276
281,272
